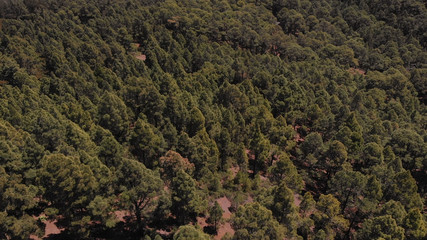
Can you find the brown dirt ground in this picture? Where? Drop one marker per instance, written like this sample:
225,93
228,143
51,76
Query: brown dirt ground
141,57
50,228
355,71
121,215
201,221
297,200
224,228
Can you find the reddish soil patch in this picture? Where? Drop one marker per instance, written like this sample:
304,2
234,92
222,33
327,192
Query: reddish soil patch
223,229
225,204
50,228
357,71
251,156
201,222
121,215
297,200
141,57
164,232
298,138
263,178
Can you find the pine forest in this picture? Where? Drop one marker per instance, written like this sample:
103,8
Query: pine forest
213,119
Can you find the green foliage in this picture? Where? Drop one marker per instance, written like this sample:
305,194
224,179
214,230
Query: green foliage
307,208
284,170
256,222
155,107
203,152
146,144
17,200
415,224
404,190
196,121
215,215
101,210
187,201
335,157
348,185
188,232
140,188
283,208
172,163
260,148
383,227
373,154
113,115
307,204
394,209
328,218
242,158
313,144
69,186
408,146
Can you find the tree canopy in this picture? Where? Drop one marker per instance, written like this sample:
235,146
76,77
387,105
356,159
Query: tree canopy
263,119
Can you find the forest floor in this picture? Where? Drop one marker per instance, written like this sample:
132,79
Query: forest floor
50,228
224,228
356,71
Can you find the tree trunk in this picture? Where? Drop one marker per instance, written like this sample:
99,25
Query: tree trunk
345,202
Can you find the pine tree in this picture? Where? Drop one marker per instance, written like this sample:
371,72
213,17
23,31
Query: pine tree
415,225
256,222
140,188
284,209
260,148
384,227
146,144
215,215
186,200
189,232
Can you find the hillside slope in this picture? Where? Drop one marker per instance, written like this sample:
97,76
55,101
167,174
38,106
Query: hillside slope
128,119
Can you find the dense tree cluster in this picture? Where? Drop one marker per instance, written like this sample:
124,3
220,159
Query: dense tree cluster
129,119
